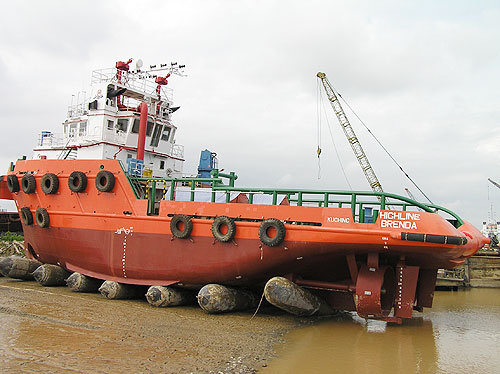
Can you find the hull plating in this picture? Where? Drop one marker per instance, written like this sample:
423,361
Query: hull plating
110,236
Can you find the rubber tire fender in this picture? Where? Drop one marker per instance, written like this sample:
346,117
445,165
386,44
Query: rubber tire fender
231,228
77,181
42,218
28,183
280,232
105,181
26,216
50,183
188,226
12,183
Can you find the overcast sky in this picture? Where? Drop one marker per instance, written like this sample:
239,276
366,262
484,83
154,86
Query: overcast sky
423,75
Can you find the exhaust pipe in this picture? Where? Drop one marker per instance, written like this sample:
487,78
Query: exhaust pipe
143,108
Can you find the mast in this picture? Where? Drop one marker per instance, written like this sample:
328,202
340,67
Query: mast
350,134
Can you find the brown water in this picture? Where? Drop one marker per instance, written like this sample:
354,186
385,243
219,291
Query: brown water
460,334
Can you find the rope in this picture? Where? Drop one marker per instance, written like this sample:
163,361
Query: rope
333,141
385,149
258,306
318,123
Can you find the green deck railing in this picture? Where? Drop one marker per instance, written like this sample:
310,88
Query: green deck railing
356,200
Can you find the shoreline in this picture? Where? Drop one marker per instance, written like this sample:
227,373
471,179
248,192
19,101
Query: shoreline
48,329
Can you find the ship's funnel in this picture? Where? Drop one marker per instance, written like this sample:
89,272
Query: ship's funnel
143,108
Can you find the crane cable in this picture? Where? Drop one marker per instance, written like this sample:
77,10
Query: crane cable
318,121
385,149
321,103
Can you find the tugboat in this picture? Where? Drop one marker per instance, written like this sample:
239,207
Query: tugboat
108,200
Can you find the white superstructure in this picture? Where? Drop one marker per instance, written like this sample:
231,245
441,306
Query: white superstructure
105,124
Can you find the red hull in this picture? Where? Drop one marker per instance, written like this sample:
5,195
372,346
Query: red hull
161,259
109,235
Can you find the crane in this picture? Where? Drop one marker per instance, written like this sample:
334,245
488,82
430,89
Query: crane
492,235
351,135
494,183
411,196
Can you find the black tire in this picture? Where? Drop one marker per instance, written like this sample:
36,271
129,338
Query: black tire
174,226
50,183
280,232
28,183
42,218
105,181
12,183
26,216
218,223
77,181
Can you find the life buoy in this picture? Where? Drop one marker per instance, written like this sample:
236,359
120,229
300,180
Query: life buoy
217,226
277,226
50,183
181,226
77,181
26,216
42,217
105,181
12,183
28,183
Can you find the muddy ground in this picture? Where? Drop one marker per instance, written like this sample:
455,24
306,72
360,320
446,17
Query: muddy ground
49,330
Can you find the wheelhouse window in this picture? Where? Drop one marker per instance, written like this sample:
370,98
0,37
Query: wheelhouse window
72,130
122,124
83,129
135,127
156,135
149,128
162,164
65,129
166,133
111,124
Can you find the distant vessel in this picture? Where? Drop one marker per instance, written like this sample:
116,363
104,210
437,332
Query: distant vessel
490,227
490,230
108,200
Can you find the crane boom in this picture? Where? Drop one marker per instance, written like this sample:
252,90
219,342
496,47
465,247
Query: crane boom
410,194
351,136
494,183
